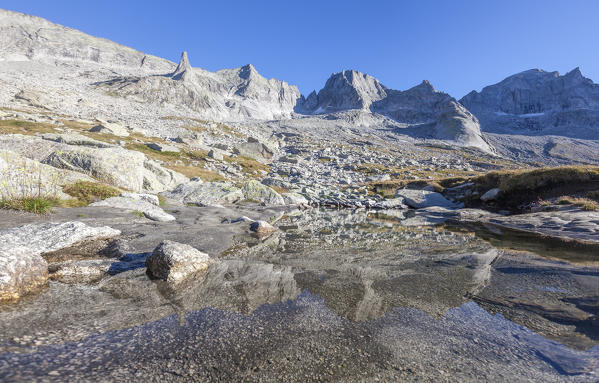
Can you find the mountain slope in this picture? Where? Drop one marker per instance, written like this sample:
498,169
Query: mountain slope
535,102
30,38
425,112
225,95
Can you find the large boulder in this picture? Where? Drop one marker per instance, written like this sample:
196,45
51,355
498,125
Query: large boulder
255,150
205,193
22,269
256,191
139,203
293,198
116,166
424,198
174,262
21,177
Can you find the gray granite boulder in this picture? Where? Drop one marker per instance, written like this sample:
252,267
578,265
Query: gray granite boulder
116,166
256,191
173,261
205,193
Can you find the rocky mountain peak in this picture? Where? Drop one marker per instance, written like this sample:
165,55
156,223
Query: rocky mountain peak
425,87
248,71
539,102
183,72
348,89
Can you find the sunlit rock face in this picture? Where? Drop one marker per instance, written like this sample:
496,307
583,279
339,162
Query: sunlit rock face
425,112
536,102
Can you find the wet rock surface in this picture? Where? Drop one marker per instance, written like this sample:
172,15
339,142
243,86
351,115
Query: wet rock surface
351,295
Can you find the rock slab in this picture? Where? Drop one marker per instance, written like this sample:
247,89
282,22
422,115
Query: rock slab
22,269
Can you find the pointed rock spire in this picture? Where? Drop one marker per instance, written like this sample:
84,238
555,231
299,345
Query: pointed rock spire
183,71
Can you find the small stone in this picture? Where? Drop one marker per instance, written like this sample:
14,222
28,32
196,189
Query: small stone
262,228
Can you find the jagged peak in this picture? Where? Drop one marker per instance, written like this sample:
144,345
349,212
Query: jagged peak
575,73
247,71
183,70
426,86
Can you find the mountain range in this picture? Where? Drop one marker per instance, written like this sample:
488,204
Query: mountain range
69,70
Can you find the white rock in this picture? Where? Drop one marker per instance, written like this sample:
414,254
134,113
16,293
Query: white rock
424,198
110,128
150,210
256,191
161,147
262,228
217,155
294,199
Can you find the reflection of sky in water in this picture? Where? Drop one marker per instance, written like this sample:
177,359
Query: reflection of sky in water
550,289
465,337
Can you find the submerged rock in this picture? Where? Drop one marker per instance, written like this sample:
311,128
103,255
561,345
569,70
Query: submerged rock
173,261
21,272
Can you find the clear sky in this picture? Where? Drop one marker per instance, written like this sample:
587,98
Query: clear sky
458,45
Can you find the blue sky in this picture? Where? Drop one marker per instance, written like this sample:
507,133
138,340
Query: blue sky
458,45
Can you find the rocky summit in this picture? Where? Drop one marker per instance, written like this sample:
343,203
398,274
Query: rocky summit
163,222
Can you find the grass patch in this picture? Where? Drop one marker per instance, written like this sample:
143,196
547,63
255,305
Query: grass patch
161,200
37,205
249,166
25,127
279,189
583,203
153,153
510,181
196,171
138,214
88,192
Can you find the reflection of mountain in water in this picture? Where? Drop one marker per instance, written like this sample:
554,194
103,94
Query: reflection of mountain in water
361,265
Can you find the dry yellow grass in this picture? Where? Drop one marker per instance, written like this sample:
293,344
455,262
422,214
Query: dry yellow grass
89,192
583,203
196,171
25,127
248,165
